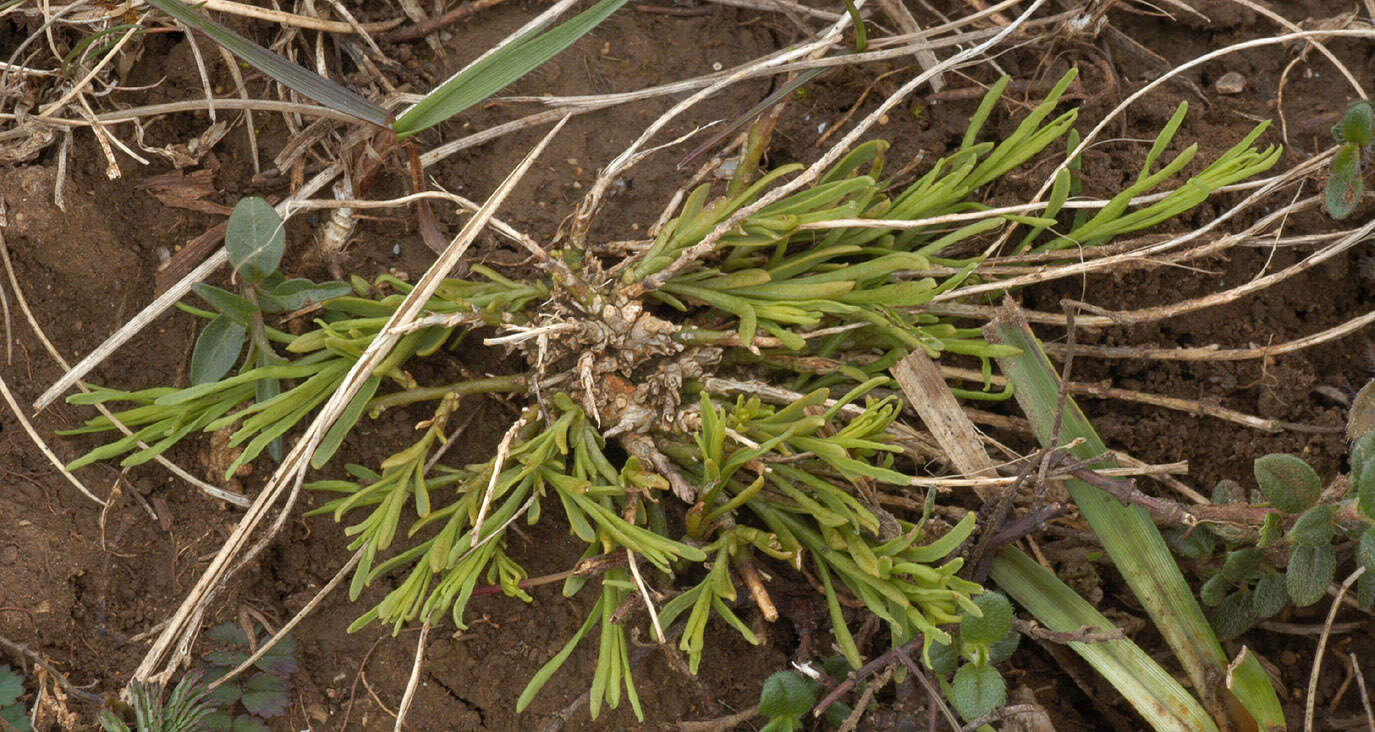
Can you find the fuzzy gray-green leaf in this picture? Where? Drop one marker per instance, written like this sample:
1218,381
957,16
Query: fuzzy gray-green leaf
1344,185
1270,595
1288,483
1314,527
1311,569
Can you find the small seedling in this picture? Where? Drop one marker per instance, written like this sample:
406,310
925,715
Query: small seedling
787,698
12,711
246,702
1345,184
255,240
1294,557
186,710
977,688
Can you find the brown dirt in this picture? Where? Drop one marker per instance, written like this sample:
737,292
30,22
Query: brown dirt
82,586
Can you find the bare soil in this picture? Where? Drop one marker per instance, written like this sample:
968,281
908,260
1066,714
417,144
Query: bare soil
85,588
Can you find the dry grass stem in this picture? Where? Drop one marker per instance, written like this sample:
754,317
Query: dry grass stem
1312,695
414,681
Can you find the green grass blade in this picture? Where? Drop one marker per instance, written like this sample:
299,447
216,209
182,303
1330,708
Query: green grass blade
489,75
1150,689
302,80
1127,533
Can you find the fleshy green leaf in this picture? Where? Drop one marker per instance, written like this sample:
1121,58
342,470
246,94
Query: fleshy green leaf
1001,650
255,238
1288,483
1344,184
217,350
977,690
1311,569
1241,564
1361,451
1365,551
1365,488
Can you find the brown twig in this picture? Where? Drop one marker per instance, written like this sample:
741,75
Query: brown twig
420,30
38,661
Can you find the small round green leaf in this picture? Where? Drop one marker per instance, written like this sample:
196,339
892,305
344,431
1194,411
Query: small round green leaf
786,694
1270,595
977,690
254,238
1288,483
995,623
217,350
1357,125
1311,569
1314,527
1192,542
1344,185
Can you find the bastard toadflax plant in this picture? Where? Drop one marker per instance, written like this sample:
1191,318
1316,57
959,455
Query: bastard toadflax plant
707,422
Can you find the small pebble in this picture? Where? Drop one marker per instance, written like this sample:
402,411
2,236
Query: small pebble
1289,658
1230,83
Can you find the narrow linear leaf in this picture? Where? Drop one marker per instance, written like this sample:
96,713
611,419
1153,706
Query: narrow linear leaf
493,73
306,82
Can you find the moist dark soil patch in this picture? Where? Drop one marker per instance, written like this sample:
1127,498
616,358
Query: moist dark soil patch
86,588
